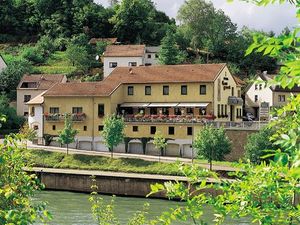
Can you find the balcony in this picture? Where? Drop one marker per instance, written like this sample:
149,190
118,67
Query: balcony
57,117
167,118
78,117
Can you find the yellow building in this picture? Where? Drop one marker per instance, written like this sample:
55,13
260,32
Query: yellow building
176,100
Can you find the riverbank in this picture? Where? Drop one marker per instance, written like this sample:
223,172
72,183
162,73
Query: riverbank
116,183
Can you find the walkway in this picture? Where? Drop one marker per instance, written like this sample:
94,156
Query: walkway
132,156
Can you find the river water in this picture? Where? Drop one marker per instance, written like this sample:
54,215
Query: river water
70,208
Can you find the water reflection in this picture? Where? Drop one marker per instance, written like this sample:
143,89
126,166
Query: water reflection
70,208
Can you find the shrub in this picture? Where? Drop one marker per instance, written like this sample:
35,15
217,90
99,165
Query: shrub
61,43
46,46
257,143
33,54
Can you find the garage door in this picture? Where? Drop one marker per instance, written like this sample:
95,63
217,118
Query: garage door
173,150
151,150
135,148
187,151
100,146
85,145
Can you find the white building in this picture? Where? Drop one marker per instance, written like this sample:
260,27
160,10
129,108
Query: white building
259,93
35,117
128,55
2,64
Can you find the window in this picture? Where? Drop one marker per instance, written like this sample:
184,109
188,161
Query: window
35,127
149,56
237,113
85,128
256,86
25,113
53,127
225,106
260,86
222,109
171,130
255,98
183,90
76,110
101,110
130,90
156,56
100,128
219,110
177,111
232,91
165,111
239,93
32,111
165,90
147,90
202,89
54,110
27,98
189,111
132,64
113,64
189,131
281,98
153,111
152,130
135,128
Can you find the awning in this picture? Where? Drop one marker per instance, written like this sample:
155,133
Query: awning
232,100
166,104
135,104
194,104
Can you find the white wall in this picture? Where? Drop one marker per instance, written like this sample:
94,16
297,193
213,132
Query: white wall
21,107
122,62
2,64
152,60
264,94
37,120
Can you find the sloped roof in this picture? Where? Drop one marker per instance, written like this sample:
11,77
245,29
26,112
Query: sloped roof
266,77
238,81
139,75
109,40
37,100
124,51
43,81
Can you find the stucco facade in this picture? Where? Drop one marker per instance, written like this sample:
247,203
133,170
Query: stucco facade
178,113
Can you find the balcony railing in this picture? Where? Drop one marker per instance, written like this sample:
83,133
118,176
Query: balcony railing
167,118
55,117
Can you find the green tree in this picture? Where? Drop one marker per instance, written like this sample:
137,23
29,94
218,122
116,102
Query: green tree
33,55
11,76
257,144
67,135
27,133
79,57
160,142
12,120
17,187
169,52
212,144
137,21
113,132
46,45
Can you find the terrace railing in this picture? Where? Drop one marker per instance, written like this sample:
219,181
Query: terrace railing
75,117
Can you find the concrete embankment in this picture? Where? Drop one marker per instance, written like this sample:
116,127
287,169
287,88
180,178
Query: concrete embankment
126,184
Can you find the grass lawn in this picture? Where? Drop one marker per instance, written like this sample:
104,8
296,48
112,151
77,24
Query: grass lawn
56,63
42,158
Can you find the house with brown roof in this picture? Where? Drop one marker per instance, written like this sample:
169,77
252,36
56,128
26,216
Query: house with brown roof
260,97
32,85
110,41
128,56
173,99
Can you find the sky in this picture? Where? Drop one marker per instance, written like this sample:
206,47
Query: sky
272,17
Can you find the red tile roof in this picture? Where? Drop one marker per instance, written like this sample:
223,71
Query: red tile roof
94,41
143,75
43,81
124,51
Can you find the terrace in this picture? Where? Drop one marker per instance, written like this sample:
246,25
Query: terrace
57,117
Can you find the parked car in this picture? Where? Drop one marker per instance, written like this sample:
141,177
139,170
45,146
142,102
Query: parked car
248,117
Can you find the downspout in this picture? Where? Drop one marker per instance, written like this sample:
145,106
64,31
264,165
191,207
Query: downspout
93,124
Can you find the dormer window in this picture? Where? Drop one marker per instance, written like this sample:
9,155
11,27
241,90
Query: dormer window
29,85
132,64
113,64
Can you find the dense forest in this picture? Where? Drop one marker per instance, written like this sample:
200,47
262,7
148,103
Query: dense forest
52,36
